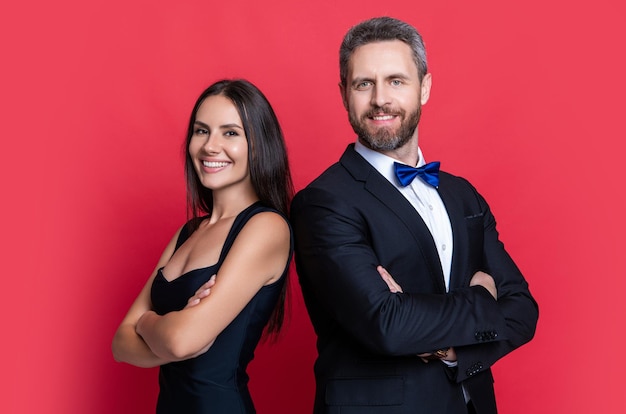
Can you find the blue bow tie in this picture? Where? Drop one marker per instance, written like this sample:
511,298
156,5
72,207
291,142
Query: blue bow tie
428,172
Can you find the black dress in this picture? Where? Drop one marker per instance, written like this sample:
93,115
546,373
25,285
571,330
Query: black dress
216,381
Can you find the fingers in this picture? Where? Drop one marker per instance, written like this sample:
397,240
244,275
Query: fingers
193,301
210,282
391,283
485,280
450,355
425,357
205,289
201,293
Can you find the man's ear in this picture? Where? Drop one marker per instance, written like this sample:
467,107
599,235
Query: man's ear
344,99
427,83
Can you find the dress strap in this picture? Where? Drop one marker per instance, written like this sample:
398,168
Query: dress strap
240,221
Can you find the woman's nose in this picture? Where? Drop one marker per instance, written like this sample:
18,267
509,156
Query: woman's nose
211,145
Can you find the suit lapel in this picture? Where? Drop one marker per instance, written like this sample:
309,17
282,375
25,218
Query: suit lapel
459,232
387,194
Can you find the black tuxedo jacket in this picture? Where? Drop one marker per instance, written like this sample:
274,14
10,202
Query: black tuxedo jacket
351,219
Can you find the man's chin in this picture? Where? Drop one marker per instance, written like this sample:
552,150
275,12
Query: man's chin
382,144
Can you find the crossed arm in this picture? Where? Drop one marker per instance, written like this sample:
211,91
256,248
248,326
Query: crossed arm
336,254
256,258
128,346
479,279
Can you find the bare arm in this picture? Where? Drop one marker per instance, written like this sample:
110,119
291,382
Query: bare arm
127,345
257,257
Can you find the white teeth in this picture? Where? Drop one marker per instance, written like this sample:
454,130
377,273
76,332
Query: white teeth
383,118
214,164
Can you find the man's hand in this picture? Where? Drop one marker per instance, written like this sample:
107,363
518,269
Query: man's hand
447,355
444,355
486,281
393,286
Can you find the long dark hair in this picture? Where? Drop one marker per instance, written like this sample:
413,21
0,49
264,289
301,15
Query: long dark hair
267,162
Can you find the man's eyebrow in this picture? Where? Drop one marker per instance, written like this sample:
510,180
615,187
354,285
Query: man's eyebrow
398,76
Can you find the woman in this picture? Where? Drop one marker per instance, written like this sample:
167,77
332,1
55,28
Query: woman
222,277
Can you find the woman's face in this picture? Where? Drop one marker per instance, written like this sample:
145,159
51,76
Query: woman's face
219,146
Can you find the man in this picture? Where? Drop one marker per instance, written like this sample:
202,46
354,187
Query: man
411,294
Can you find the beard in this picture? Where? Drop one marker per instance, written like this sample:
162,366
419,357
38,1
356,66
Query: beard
385,139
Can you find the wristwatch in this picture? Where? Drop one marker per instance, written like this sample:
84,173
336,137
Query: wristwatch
441,353
438,354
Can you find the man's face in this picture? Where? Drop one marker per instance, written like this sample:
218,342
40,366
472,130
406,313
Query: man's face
383,94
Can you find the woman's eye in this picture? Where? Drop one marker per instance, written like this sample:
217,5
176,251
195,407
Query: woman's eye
231,133
200,131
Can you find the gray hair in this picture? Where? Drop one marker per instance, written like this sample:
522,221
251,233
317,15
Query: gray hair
381,29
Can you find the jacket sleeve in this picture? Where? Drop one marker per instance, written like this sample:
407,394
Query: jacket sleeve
336,263
515,303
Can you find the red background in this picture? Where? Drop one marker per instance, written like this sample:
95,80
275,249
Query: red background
527,103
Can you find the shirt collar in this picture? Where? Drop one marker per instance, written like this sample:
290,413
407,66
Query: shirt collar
383,163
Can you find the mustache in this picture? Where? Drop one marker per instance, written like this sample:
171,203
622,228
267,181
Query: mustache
383,110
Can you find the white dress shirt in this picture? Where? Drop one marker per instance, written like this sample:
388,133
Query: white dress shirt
426,201
424,198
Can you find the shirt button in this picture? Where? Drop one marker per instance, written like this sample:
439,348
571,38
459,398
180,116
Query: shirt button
430,206
443,247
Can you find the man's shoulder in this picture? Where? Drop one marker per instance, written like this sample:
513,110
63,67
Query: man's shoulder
351,167
331,183
452,179
336,185
457,188
333,173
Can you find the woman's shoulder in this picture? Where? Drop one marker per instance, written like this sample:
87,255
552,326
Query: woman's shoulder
263,213
265,225
270,220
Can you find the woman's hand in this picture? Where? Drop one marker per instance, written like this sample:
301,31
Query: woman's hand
149,318
201,293
393,286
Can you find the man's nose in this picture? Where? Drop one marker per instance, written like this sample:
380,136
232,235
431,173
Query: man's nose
380,96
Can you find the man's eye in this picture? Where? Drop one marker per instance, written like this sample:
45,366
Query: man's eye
364,85
396,82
